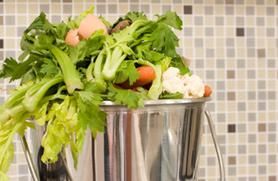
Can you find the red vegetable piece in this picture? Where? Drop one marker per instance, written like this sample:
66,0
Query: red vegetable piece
208,91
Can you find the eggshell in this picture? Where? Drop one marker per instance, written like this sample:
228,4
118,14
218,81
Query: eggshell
89,25
72,37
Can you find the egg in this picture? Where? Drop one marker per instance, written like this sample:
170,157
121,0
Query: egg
89,25
72,37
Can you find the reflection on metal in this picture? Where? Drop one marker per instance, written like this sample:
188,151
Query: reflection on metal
216,146
29,159
159,142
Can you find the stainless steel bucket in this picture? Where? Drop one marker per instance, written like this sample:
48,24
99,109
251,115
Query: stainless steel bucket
160,142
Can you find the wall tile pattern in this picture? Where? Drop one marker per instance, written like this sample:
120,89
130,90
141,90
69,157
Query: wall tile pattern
232,45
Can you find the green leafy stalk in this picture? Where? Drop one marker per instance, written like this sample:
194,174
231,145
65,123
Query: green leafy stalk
13,107
76,144
172,19
70,74
61,128
8,113
156,87
17,95
87,48
118,50
7,131
64,128
98,70
89,113
179,63
112,63
89,71
126,72
131,32
42,113
3,176
63,87
166,95
133,16
35,94
131,99
15,70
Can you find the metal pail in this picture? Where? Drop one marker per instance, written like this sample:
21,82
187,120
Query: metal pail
159,142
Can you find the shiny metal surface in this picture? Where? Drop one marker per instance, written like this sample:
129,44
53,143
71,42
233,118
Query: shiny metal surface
159,142
29,159
216,146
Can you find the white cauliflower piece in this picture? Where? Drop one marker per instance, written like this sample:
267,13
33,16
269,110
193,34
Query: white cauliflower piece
172,81
195,86
190,86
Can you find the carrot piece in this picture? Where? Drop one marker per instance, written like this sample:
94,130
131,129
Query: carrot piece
208,91
146,75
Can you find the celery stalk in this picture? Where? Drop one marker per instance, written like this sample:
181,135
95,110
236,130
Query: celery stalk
70,74
35,94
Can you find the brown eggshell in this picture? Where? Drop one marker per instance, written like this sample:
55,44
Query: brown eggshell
89,25
72,38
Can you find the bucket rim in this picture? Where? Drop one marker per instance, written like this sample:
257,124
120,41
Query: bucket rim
161,102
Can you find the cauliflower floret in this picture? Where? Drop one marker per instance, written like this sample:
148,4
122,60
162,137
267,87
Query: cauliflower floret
190,86
172,81
195,85
186,93
171,73
173,85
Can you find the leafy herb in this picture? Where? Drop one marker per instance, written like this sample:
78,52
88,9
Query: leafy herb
133,16
166,95
164,40
127,71
89,113
171,19
49,68
61,128
70,74
87,48
127,97
178,63
15,70
62,87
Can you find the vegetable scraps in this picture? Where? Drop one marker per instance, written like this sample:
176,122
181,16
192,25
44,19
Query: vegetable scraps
67,70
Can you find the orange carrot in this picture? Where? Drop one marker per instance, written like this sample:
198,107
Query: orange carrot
208,91
146,75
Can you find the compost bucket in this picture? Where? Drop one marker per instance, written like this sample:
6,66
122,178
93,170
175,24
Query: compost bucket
159,142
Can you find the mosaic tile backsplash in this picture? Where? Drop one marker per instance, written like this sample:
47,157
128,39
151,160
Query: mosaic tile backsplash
232,45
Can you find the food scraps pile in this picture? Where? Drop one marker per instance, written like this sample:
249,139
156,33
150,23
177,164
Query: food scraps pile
67,70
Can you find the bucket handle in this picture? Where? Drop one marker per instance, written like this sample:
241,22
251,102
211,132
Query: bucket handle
216,146
29,159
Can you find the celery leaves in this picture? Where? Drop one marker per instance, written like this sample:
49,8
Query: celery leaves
127,71
89,113
171,19
63,87
131,99
164,40
15,70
